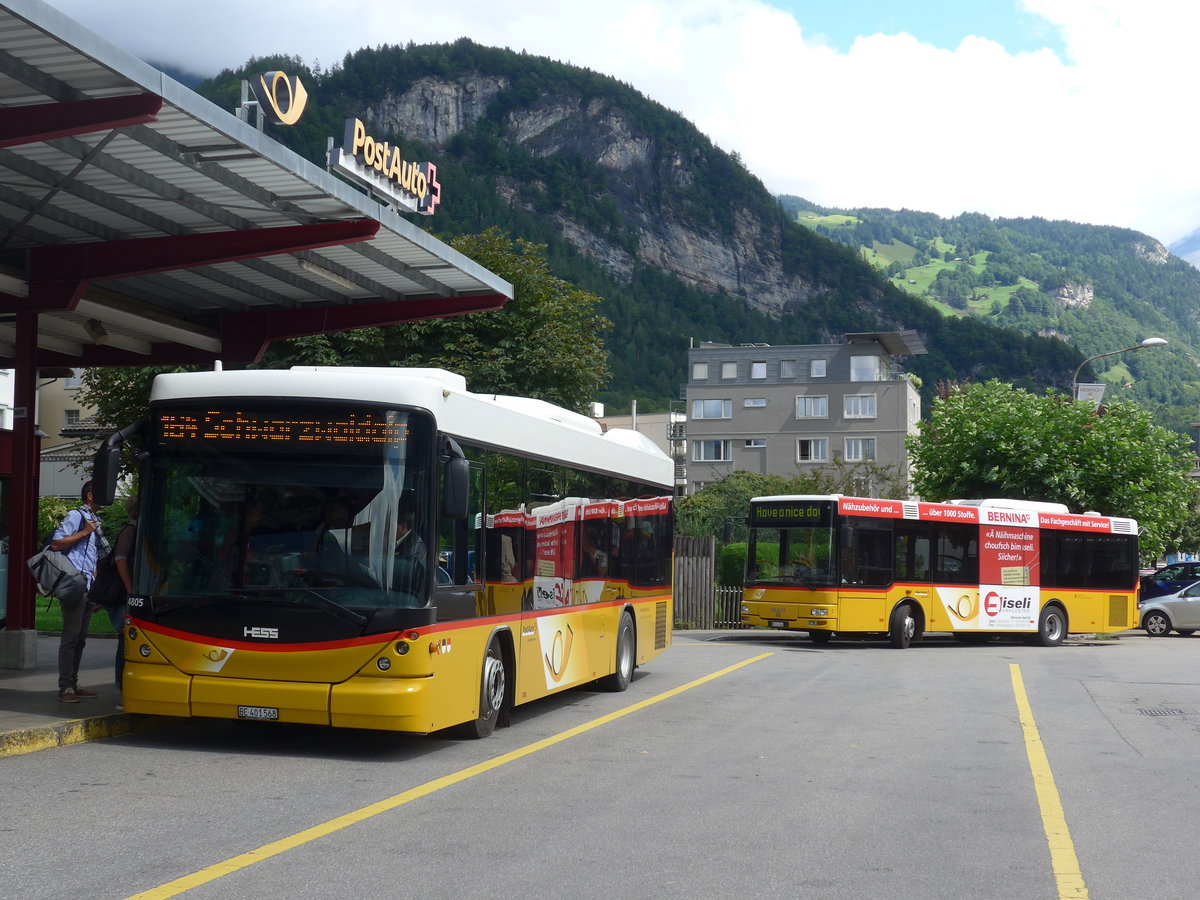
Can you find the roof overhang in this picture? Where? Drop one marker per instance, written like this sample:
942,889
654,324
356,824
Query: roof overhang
147,226
894,343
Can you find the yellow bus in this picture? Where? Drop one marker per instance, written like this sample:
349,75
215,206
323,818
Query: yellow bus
383,549
829,564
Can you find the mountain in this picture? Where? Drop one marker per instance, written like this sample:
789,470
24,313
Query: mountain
1188,248
1098,288
637,206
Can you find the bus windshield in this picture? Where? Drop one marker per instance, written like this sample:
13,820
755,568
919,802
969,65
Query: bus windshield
793,556
242,509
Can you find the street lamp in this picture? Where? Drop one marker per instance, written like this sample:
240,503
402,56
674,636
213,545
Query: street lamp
1148,342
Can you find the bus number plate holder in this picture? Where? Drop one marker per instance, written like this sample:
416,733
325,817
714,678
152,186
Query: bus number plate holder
776,623
258,712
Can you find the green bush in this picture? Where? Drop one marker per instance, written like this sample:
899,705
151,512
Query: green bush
731,564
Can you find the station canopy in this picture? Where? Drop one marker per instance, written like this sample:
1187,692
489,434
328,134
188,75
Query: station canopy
147,226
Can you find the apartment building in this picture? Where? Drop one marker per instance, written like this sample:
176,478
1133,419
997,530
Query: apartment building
781,409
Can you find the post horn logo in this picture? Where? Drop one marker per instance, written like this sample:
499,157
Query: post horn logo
284,95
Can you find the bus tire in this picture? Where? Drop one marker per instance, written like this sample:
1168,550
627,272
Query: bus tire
820,637
1186,632
1156,623
1052,625
902,627
492,688
626,653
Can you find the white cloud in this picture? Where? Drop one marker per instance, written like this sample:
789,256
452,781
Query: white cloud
1104,135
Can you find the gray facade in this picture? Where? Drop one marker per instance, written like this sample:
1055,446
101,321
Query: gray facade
780,410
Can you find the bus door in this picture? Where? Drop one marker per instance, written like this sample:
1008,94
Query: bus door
459,592
865,558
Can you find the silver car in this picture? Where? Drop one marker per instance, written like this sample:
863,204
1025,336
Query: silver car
1179,611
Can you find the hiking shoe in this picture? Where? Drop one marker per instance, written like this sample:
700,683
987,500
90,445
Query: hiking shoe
84,692
67,695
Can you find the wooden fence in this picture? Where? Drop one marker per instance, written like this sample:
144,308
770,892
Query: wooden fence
699,601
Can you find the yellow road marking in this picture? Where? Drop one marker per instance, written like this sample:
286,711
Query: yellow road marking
229,866
1054,822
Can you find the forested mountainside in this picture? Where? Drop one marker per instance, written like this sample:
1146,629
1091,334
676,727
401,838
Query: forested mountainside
635,205
1099,288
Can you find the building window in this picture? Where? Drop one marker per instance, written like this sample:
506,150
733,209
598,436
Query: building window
864,368
812,407
860,449
758,370
755,443
70,417
710,451
729,370
699,371
74,381
755,403
787,368
812,450
816,368
859,406
712,409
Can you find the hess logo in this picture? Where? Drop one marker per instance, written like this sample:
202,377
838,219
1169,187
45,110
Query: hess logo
257,631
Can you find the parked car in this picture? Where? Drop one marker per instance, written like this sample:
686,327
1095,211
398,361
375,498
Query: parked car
1179,611
1169,579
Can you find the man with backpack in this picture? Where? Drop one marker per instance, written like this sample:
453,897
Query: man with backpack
114,581
78,535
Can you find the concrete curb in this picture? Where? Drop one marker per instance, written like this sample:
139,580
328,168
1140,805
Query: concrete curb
77,731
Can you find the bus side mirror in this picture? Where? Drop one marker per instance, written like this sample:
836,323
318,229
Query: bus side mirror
456,488
105,469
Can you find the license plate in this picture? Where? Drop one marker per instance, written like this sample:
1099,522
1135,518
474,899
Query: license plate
777,624
258,712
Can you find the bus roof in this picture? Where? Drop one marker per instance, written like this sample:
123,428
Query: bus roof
522,424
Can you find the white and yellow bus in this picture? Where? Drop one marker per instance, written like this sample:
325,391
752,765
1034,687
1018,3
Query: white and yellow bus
380,548
974,568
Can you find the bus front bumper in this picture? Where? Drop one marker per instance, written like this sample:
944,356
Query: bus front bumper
790,616
385,704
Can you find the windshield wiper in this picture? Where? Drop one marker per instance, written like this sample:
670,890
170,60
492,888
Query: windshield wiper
342,612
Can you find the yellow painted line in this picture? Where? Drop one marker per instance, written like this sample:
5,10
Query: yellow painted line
1054,822
266,851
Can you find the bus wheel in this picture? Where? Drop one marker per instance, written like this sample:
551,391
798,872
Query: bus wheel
902,627
1186,632
1052,626
491,694
626,650
1156,624
820,637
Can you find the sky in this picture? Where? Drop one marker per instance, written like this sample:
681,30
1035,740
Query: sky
1064,109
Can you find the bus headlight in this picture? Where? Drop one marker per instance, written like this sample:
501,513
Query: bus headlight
384,663
817,611
745,608
401,648
144,650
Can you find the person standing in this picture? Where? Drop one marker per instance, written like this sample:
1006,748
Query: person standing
78,535
123,562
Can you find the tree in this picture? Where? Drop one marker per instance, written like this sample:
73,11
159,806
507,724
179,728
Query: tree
994,440
547,342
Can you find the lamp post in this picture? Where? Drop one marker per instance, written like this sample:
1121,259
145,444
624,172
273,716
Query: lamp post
1148,342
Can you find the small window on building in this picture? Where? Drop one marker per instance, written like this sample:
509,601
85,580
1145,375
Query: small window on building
860,449
816,407
70,417
864,368
729,370
859,406
710,451
755,402
74,381
816,368
755,443
712,409
700,371
758,370
812,450
787,368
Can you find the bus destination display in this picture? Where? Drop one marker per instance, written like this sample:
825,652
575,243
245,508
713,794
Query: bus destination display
242,427
790,514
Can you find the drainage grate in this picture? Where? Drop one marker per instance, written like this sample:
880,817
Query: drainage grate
1161,712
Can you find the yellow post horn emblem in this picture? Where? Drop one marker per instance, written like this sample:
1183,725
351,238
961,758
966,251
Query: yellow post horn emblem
286,103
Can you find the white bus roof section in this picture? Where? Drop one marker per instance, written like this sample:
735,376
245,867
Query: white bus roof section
99,148
522,424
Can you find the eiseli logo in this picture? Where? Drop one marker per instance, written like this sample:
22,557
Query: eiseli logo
259,632
991,604
284,96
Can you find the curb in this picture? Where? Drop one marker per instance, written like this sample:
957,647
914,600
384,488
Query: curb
77,731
